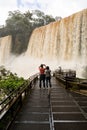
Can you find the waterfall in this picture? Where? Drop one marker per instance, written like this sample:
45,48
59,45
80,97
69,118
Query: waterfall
64,41
61,43
5,47
43,42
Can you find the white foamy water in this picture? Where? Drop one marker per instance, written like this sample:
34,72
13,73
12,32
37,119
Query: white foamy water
62,43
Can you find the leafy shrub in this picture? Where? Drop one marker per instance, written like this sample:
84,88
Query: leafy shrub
9,83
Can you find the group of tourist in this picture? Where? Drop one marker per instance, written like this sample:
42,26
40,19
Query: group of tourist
45,76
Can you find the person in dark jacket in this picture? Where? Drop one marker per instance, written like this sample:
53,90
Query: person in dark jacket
48,76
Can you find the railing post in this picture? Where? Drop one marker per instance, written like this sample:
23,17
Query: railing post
20,100
66,84
66,78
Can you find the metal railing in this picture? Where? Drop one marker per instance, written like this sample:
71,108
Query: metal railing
12,104
69,79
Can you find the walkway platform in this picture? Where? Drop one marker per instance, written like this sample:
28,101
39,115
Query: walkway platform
62,110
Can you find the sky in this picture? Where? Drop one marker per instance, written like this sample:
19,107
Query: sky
63,8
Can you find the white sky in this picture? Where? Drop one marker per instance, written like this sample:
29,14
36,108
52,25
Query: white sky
55,8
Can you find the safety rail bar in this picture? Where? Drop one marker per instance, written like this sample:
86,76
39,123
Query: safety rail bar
11,105
71,80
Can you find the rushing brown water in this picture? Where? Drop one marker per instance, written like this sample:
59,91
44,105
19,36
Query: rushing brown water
5,48
63,40
61,43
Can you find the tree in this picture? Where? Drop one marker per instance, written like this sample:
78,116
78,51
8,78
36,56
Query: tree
20,26
48,19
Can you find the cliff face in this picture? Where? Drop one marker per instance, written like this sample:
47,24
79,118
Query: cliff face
62,40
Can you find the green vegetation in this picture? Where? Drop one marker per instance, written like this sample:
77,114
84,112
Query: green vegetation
9,82
20,26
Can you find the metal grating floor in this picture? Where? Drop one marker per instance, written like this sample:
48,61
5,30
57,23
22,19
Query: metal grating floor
63,110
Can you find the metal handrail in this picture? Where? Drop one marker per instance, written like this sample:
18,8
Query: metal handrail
70,80
8,104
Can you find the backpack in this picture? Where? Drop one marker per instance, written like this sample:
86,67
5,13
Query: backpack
48,73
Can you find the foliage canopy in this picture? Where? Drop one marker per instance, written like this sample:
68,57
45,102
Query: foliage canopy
20,26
